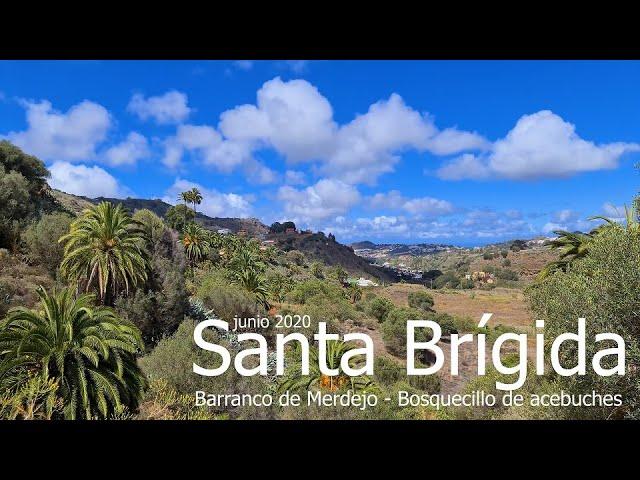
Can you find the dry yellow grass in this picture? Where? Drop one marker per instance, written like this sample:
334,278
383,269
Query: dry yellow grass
508,305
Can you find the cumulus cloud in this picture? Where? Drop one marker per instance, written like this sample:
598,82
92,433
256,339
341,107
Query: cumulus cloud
541,145
135,147
172,107
368,146
296,120
392,200
214,203
58,136
292,117
259,173
327,198
86,181
295,177
422,206
208,144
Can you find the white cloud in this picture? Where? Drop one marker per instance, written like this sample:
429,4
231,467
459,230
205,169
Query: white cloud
86,181
394,200
428,206
135,147
541,145
294,177
467,166
259,173
169,108
214,203
56,136
292,117
327,198
452,140
296,120
206,142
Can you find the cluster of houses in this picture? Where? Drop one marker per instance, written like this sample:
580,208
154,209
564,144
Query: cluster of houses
403,271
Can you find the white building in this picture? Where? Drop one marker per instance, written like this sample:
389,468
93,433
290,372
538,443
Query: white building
363,282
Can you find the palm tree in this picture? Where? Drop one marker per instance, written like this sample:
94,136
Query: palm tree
186,198
88,351
195,197
335,350
631,218
105,249
247,270
354,292
195,240
576,245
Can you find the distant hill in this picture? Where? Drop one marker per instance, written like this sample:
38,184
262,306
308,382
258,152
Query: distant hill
372,250
76,204
315,246
318,247
362,245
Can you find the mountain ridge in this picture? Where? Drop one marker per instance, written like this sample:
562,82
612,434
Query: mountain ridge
315,246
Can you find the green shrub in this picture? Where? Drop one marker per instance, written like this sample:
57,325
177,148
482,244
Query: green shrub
603,288
420,300
225,299
447,280
394,329
506,274
42,237
314,287
317,270
379,308
172,362
296,257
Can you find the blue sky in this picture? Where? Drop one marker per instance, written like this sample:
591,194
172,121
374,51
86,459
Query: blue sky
462,152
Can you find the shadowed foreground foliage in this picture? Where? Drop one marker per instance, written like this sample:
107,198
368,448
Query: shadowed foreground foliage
87,351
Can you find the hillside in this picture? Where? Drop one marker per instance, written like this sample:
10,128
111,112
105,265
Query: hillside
314,246
318,247
76,204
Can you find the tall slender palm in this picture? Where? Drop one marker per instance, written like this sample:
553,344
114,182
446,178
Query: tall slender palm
88,351
335,350
104,249
196,242
186,198
195,197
